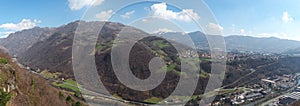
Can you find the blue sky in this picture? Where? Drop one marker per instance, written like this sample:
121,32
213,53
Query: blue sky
259,18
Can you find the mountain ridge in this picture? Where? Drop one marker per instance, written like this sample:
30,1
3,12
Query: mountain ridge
238,42
233,42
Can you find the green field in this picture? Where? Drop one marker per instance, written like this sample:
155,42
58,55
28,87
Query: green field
192,62
48,75
203,74
205,59
99,47
160,44
68,84
153,100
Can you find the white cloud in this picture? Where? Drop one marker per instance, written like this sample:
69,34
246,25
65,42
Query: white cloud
24,24
5,34
287,18
191,13
214,29
160,10
128,14
78,4
144,20
278,35
163,30
104,15
242,31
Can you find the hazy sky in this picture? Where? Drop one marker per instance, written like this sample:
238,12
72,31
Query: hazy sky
260,18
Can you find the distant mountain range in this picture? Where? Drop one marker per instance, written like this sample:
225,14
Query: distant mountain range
266,45
237,42
19,42
295,51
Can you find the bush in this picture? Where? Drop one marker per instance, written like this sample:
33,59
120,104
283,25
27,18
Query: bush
69,98
60,94
77,94
3,60
32,84
4,98
77,104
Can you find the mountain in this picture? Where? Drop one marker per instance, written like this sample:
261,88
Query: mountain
52,51
23,88
236,42
198,38
20,41
264,45
295,51
55,55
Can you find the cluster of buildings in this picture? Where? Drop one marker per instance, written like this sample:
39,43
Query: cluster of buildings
263,88
231,56
248,95
241,97
280,83
286,99
189,53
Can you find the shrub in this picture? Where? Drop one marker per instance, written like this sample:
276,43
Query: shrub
32,84
3,61
77,94
76,104
4,98
69,98
60,94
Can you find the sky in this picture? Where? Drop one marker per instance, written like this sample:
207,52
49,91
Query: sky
258,18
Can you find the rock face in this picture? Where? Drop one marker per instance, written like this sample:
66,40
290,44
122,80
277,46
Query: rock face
22,88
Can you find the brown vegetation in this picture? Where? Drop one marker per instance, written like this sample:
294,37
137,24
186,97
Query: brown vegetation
31,90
